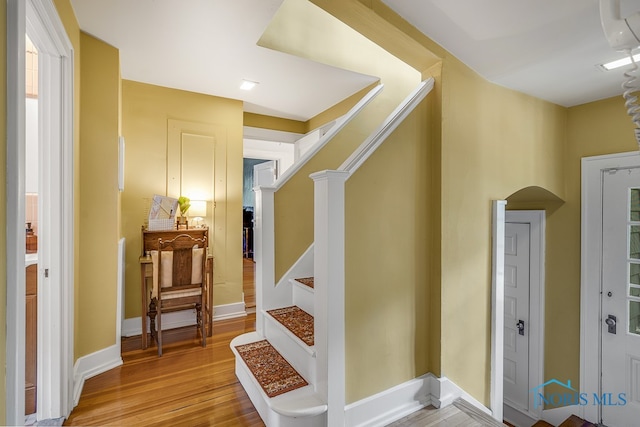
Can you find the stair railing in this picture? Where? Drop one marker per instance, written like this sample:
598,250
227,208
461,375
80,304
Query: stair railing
329,262
269,296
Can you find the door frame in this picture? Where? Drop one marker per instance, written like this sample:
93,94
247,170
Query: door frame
593,169
55,313
537,222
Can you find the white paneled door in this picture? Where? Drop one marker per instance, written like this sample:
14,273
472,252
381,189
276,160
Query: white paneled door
265,174
516,315
621,298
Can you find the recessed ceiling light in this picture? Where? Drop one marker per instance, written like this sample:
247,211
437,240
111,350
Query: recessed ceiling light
620,62
247,84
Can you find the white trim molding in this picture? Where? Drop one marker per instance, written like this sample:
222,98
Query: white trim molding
329,302
497,307
229,311
590,270
94,364
396,402
40,19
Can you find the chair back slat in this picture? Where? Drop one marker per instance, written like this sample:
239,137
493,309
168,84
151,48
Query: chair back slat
182,247
182,260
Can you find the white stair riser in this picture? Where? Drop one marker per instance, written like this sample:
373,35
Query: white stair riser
298,354
303,297
270,417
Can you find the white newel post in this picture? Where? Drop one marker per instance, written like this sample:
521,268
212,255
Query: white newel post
329,272
264,250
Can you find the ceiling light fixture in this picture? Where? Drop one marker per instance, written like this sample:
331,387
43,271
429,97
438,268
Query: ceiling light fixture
247,84
620,62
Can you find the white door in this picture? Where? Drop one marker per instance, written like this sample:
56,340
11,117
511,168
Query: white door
621,298
516,315
265,174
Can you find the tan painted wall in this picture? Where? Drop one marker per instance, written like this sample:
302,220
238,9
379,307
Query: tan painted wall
146,111
98,174
387,217
494,142
388,262
302,29
3,215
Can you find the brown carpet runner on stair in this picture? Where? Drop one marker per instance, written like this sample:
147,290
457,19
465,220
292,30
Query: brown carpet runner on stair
306,281
273,372
298,321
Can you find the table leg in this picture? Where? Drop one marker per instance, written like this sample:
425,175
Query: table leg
143,314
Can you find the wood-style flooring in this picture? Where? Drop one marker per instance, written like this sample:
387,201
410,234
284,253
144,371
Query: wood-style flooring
187,386
248,284
193,386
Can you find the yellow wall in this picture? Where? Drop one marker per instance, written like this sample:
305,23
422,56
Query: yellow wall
388,262
98,175
494,142
387,215
3,216
146,111
302,29
275,123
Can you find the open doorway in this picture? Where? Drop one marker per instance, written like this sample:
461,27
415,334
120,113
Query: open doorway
251,177
38,19
31,227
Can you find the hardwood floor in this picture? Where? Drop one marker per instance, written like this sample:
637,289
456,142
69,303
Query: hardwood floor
248,284
187,386
194,386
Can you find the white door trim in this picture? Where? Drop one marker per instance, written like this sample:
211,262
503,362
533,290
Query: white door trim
591,269
40,18
497,308
537,221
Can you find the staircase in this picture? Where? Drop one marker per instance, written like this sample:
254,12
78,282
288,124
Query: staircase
299,380
290,331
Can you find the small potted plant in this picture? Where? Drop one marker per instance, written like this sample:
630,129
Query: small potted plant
184,203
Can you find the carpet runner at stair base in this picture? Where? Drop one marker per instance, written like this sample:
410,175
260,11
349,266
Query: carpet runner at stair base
273,372
298,321
306,281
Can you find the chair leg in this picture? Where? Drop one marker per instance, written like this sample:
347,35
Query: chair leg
159,332
152,320
201,325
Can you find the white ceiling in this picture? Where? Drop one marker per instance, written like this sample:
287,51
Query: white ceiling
546,48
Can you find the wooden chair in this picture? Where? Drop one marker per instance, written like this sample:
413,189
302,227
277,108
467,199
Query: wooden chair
179,281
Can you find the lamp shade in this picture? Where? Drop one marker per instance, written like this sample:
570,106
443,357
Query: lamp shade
198,208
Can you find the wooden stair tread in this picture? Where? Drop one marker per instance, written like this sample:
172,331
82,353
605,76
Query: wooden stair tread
280,377
297,402
572,421
307,281
576,421
297,321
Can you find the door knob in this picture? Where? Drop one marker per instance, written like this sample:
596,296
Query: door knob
520,326
611,324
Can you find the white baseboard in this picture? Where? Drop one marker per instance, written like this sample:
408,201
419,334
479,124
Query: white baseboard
399,401
390,405
94,364
229,311
444,392
517,417
133,326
